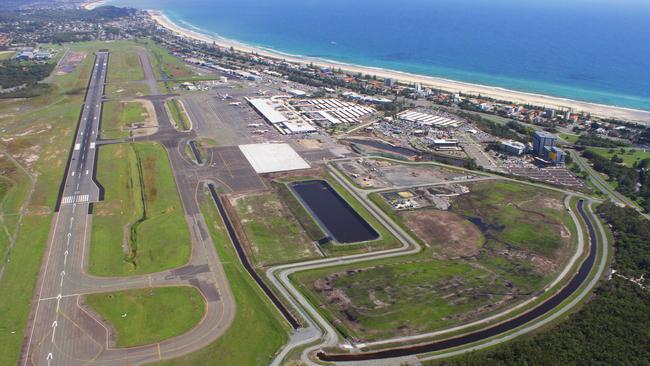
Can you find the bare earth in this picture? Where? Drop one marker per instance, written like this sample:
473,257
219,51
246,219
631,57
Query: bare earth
450,235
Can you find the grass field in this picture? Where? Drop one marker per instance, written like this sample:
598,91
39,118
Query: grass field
516,241
165,65
5,55
117,117
300,213
178,115
124,65
126,89
569,138
516,215
142,205
402,296
255,314
38,133
629,156
275,235
14,190
145,316
386,239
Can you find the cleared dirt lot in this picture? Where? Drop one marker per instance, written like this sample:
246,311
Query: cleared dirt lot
450,235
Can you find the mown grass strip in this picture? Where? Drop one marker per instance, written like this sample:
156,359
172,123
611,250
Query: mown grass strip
255,314
178,114
145,316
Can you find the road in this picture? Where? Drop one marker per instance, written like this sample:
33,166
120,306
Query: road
603,186
63,331
320,330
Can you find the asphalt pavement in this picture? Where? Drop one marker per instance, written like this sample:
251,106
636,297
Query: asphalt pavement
62,330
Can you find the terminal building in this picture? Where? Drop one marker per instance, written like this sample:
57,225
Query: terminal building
269,111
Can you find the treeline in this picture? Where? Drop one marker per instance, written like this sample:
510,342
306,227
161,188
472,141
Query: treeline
38,16
612,329
594,140
632,236
15,73
491,127
632,182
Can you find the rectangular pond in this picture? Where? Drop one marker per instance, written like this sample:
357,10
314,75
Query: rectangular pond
333,213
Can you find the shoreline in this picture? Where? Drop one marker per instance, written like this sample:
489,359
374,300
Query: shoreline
600,110
92,4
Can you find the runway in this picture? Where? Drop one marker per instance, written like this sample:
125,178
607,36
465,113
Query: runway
61,330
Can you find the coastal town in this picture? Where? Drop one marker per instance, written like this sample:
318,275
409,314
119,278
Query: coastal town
188,198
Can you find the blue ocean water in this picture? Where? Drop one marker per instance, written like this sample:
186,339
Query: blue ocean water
591,50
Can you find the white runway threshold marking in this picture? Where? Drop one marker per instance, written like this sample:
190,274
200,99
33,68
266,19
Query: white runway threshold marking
68,200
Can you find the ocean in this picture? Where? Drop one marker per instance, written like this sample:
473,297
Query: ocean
590,50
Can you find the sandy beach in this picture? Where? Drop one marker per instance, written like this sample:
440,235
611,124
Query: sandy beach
438,83
92,4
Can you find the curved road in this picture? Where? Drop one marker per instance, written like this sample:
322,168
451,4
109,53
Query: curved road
320,330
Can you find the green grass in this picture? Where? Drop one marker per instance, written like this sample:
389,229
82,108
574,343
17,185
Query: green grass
55,113
166,66
145,316
515,213
401,296
141,208
124,65
425,292
178,114
569,137
275,235
14,190
258,330
386,239
307,222
117,118
5,55
630,156
126,89
51,118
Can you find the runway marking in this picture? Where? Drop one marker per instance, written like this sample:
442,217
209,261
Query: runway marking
69,200
58,302
54,325
149,278
54,297
159,355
